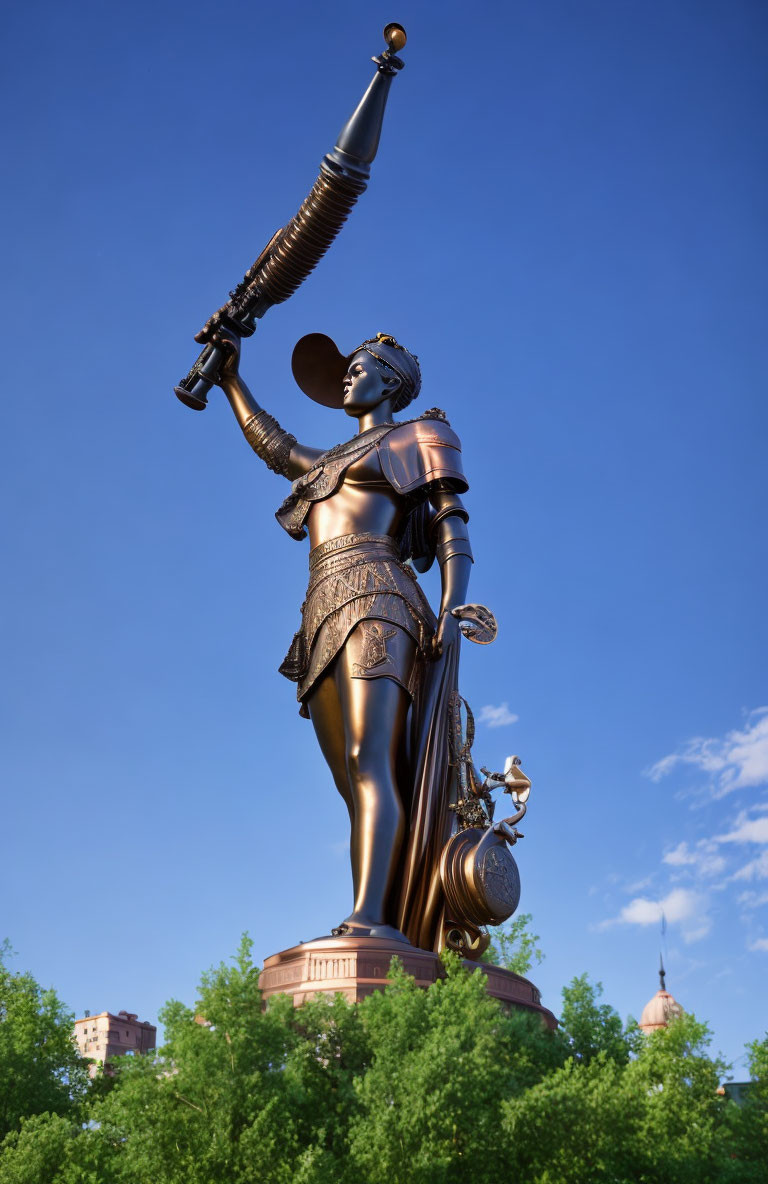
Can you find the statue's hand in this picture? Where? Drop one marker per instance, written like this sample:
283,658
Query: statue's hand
448,630
229,344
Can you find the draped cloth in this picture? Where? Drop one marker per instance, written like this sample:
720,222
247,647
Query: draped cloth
434,786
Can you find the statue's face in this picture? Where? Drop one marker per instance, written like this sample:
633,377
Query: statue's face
366,384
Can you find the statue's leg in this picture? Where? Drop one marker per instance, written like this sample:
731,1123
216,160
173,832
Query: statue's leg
375,710
324,706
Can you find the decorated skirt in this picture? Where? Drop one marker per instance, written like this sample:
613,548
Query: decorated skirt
352,579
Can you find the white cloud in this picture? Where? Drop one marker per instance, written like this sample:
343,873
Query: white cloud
679,856
680,906
760,944
697,932
756,869
703,859
640,911
739,760
698,752
732,858
753,900
747,830
497,717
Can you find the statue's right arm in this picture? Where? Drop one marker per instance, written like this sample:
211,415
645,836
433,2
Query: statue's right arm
279,450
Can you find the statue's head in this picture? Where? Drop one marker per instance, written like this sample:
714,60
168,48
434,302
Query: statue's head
367,383
378,369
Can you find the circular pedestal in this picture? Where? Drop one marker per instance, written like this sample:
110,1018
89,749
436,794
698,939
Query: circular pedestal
356,966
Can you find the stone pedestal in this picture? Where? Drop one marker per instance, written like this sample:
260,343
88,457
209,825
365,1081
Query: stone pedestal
357,966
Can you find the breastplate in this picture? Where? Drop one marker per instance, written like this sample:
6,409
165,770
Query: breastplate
324,478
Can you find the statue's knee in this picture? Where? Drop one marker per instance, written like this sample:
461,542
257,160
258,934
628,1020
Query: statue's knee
353,763
368,764
360,763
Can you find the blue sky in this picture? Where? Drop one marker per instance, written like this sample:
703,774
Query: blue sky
567,223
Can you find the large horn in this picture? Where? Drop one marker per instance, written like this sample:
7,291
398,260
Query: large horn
295,250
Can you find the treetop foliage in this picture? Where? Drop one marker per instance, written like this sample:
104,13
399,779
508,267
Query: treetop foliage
514,946
40,1067
420,1086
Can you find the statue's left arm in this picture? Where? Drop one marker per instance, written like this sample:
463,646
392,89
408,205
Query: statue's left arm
454,555
423,457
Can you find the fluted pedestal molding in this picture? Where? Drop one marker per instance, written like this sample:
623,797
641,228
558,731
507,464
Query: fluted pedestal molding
357,966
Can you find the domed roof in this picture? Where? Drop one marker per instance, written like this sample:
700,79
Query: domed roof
662,1008
659,1011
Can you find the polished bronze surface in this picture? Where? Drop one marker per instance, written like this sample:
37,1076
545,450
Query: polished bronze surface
480,877
376,670
369,651
395,37
357,966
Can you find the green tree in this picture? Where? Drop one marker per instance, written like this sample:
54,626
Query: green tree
236,1094
603,1119
436,1086
441,1062
40,1067
676,1081
37,1150
219,1103
514,946
592,1027
756,1103
748,1123
577,1126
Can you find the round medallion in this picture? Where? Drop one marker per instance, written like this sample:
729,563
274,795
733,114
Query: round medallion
501,881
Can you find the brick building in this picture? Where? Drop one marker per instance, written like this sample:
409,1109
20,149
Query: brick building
100,1037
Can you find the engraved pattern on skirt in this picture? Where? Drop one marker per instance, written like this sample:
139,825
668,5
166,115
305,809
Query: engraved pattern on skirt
357,577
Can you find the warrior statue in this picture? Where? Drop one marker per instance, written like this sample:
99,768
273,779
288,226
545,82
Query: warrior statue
388,495
376,669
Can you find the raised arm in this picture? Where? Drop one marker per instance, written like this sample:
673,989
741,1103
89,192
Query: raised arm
454,555
277,448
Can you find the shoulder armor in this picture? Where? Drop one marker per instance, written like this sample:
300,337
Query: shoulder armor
435,413
420,452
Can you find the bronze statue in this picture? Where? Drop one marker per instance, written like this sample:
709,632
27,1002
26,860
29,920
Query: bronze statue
367,628
376,669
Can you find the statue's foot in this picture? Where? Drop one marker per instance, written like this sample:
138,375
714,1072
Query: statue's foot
389,933
355,926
